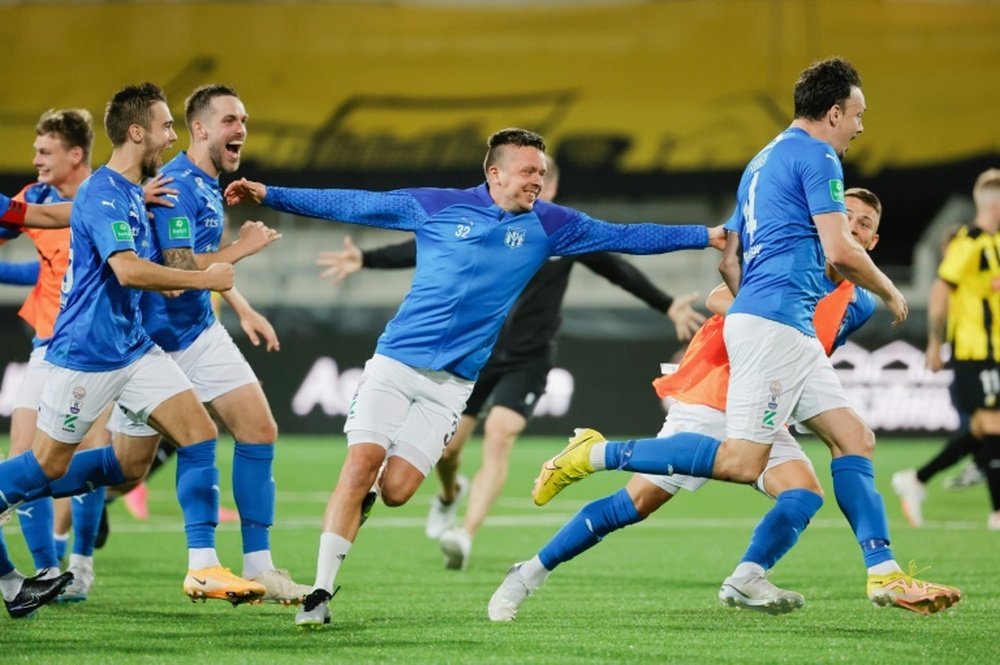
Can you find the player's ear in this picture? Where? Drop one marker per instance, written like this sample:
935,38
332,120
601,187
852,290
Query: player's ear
136,133
76,153
198,130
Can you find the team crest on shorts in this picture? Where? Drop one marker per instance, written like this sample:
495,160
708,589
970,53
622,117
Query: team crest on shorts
772,405
514,238
79,392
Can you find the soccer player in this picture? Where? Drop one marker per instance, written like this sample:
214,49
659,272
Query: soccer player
699,387
100,352
514,378
790,214
188,236
965,310
63,140
476,249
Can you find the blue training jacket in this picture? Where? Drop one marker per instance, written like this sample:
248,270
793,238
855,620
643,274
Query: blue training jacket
473,259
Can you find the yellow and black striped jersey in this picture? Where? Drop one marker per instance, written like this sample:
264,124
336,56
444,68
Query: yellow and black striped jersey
970,264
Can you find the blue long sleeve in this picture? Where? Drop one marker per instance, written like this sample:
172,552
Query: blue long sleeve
593,235
388,210
19,274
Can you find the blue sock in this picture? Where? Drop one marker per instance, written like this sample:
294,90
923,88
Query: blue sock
854,487
198,492
588,527
37,518
87,509
88,470
253,488
779,529
20,477
6,565
686,452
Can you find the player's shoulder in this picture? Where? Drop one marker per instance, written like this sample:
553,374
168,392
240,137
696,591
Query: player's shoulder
185,175
553,215
435,199
38,192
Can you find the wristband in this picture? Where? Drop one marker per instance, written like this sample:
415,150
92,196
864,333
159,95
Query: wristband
15,211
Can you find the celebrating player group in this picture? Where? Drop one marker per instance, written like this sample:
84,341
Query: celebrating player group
128,351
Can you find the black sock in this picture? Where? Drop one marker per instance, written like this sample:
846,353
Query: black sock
954,450
989,461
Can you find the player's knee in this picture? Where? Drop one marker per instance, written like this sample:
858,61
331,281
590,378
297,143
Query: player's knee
738,472
866,443
54,466
396,494
134,470
648,500
264,432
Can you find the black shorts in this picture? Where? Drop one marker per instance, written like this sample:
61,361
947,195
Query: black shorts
517,386
977,384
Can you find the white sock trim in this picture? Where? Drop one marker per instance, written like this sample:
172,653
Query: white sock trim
202,557
597,456
534,573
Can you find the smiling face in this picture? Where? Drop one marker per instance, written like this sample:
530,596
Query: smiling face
221,129
517,177
847,121
55,161
157,138
863,221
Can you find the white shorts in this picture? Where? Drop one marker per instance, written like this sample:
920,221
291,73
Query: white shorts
703,419
778,374
73,400
214,365
412,413
29,395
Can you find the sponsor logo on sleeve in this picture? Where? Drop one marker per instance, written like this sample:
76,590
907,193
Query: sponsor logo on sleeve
122,231
837,191
180,228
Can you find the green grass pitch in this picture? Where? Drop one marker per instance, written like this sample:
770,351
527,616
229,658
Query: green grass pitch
645,594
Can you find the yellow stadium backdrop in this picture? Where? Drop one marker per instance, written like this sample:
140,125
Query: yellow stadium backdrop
681,85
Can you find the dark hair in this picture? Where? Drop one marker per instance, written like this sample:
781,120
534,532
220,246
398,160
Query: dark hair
865,196
131,106
522,138
822,85
202,97
75,127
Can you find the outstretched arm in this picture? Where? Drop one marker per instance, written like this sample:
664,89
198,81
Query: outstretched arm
620,272
18,214
340,264
397,210
572,232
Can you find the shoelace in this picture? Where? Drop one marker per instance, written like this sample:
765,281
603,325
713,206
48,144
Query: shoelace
913,571
318,596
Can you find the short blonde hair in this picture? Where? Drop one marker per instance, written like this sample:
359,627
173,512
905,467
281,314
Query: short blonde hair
987,182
